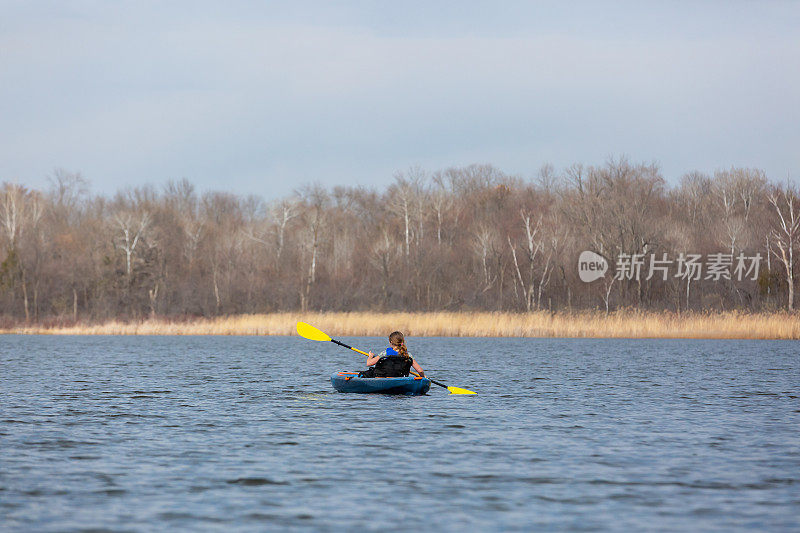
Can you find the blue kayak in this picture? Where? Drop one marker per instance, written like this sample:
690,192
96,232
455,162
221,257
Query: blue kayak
350,382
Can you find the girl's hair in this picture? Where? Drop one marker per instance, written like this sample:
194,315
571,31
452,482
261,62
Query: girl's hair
397,339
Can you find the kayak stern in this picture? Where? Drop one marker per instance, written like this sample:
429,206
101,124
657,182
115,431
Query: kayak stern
350,382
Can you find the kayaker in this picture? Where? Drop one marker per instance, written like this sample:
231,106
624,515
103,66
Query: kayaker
395,361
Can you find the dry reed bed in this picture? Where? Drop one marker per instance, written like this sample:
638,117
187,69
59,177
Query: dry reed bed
730,325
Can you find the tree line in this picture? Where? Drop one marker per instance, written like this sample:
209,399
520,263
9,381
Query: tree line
467,238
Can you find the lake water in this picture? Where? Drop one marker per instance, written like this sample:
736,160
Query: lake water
246,433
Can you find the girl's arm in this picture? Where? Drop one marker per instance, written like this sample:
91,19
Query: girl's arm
418,368
372,359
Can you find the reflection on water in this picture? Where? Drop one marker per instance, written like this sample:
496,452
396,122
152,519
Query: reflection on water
243,433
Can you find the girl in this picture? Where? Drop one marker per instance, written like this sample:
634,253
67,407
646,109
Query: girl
395,362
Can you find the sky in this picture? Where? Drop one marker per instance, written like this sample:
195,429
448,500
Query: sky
256,97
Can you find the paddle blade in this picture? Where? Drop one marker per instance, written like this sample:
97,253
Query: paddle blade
457,390
310,332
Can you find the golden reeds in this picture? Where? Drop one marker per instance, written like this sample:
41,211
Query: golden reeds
622,324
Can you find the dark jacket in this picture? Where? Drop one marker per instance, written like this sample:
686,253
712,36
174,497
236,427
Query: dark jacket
391,365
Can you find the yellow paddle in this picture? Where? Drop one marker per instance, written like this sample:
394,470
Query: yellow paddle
310,332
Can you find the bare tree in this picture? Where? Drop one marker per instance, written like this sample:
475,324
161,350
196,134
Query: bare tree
694,194
786,232
616,207
20,210
12,206
404,199
314,203
384,253
282,214
533,245
547,177
441,200
735,191
67,191
132,226
484,247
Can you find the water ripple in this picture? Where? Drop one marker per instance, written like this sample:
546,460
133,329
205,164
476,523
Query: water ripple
231,434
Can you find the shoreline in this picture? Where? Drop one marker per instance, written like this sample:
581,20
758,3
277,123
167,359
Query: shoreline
538,324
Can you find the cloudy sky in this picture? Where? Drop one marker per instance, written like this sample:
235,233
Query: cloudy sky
257,97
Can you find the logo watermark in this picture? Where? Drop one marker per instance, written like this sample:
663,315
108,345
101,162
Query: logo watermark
591,266
692,267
